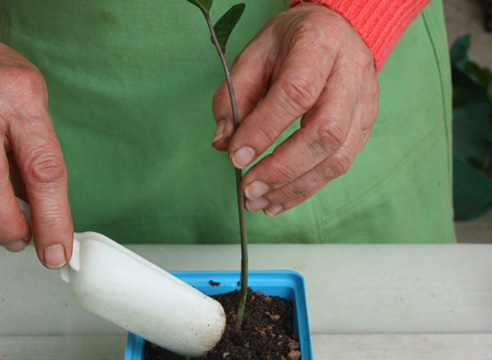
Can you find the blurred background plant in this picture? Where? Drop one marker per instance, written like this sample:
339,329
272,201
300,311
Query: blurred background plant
487,8
472,132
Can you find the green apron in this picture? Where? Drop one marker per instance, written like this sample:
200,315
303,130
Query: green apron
131,83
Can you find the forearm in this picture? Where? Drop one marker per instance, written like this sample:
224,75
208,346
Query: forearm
380,23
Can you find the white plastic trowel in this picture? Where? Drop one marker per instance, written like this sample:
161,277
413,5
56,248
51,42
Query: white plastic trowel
118,285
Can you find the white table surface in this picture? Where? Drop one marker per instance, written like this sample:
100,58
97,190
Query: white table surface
364,301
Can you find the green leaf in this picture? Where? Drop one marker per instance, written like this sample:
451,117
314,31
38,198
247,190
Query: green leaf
206,4
475,163
224,26
486,144
459,50
482,75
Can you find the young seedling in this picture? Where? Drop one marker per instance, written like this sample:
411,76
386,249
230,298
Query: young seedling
220,34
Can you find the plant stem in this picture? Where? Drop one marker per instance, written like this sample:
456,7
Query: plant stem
239,176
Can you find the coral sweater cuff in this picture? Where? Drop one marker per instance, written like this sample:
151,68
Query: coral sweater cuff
380,23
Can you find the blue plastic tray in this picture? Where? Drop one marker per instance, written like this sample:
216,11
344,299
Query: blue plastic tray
284,283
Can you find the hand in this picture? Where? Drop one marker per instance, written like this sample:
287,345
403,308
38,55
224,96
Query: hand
309,62
33,158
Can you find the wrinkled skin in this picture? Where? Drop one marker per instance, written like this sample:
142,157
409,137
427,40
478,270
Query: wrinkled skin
309,62
33,158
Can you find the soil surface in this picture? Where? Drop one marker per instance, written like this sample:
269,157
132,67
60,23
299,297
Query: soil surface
266,333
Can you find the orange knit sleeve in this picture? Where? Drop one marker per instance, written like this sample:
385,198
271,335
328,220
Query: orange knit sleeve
379,22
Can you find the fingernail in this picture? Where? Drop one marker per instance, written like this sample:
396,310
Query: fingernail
274,210
219,131
54,256
255,190
258,204
243,157
16,246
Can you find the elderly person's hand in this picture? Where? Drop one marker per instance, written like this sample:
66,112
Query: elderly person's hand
309,62
33,159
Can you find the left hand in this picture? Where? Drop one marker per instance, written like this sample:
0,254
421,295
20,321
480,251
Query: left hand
310,62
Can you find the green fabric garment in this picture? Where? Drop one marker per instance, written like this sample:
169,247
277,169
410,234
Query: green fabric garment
131,83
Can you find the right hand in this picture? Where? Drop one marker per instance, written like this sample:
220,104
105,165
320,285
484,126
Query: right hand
307,61
33,159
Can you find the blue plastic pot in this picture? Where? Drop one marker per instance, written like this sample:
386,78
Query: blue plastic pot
283,283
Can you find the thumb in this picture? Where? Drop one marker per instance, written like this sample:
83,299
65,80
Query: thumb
250,77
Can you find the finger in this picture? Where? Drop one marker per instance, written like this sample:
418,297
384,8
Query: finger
300,80
249,74
336,165
319,177
372,100
323,131
43,170
15,233
298,191
16,178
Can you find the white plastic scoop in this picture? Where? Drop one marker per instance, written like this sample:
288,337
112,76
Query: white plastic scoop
120,286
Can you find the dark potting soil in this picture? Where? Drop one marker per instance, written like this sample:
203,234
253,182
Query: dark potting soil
266,333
